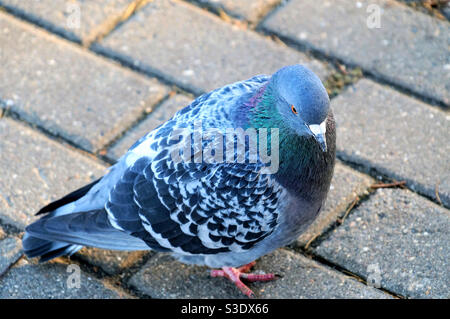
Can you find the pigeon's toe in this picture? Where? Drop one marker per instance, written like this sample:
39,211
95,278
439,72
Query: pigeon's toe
236,274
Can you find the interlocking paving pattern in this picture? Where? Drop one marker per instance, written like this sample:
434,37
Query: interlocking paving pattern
252,11
36,170
68,111
70,93
301,278
202,58
406,47
10,252
396,134
75,19
398,236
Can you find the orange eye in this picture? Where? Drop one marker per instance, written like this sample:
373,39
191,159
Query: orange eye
294,110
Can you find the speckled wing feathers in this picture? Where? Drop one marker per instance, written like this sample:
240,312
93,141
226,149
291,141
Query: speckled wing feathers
228,208
194,208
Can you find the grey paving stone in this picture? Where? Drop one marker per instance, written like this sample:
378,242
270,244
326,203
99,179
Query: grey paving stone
111,261
10,252
164,277
346,185
398,135
185,51
67,90
409,49
28,280
158,116
252,11
74,19
397,239
35,170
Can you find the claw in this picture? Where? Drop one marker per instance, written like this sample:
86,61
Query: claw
236,274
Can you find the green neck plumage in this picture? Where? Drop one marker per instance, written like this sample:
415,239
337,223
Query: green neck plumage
265,115
297,154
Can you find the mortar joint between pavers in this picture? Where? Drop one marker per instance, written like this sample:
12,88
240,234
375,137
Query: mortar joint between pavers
278,6
113,22
118,279
96,272
385,178
125,277
148,71
232,17
102,153
120,62
12,265
37,21
337,63
55,137
345,272
340,219
9,229
219,10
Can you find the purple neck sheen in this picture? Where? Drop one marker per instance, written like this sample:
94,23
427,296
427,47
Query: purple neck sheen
244,110
256,98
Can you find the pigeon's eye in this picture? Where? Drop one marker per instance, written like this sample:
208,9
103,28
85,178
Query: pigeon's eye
294,110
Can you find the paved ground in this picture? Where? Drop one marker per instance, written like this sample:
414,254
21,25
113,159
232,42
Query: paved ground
81,80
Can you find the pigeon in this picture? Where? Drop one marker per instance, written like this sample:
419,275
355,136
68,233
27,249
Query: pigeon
241,171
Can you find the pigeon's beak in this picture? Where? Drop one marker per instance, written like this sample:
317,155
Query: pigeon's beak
318,131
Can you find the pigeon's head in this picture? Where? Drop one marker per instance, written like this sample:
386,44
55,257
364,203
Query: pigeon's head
302,101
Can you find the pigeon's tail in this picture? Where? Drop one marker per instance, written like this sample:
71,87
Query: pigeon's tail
46,249
68,199
53,236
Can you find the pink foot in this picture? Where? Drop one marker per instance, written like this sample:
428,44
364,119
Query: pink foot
236,274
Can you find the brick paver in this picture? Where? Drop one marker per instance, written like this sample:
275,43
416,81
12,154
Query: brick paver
398,135
112,262
398,237
35,170
164,277
60,87
196,60
50,280
74,19
10,252
410,48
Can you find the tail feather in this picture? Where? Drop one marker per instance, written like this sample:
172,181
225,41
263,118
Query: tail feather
45,249
67,250
51,237
69,198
